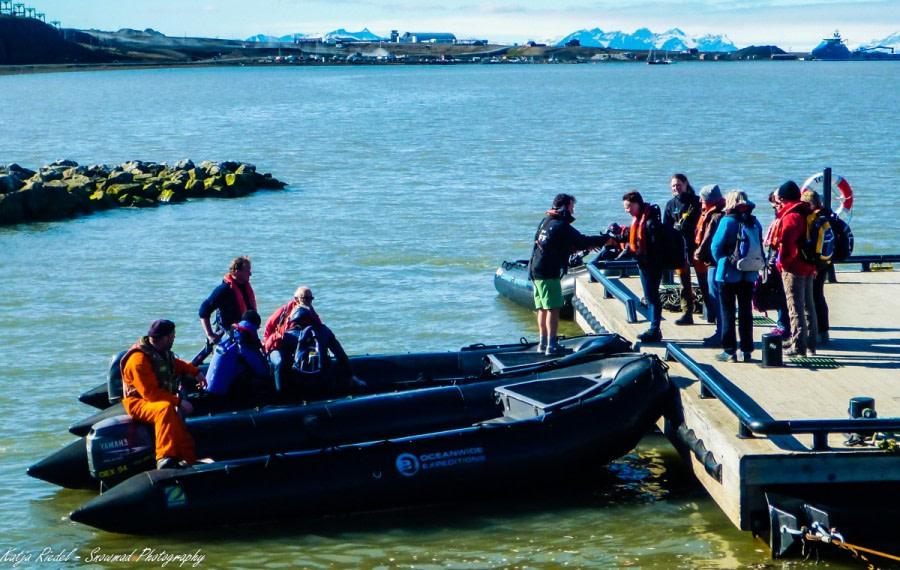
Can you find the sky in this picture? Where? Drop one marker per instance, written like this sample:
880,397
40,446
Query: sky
790,24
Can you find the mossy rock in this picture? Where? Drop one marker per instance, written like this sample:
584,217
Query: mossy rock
119,189
10,183
218,191
60,203
179,176
175,186
240,184
194,188
12,210
171,197
214,181
120,177
150,190
268,182
50,175
34,199
100,200
198,173
142,202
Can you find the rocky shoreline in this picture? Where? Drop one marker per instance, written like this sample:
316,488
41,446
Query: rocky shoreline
65,189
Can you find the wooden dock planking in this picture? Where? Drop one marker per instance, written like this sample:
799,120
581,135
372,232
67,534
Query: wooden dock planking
865,349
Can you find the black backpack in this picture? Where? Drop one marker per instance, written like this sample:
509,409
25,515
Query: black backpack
843,239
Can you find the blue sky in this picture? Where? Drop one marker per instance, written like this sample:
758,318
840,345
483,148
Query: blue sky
796,24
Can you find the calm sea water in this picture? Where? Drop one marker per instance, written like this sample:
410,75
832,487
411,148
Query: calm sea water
408,186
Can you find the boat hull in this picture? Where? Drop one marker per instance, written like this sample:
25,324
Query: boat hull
511,281
448,465
276,429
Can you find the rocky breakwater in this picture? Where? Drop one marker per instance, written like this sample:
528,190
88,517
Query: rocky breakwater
65,189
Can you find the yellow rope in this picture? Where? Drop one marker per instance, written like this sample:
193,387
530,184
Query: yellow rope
852,547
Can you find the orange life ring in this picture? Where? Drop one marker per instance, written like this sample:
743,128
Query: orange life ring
845,197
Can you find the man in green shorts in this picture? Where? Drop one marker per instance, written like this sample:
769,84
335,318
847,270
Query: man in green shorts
554,241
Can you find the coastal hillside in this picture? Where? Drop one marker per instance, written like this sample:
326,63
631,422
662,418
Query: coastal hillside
25,41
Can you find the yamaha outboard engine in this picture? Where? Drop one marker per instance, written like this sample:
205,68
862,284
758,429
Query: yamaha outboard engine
119,447
114,378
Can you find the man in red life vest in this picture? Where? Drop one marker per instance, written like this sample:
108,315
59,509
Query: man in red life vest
149,371
231,299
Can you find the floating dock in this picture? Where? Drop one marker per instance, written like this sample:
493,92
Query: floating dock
749,430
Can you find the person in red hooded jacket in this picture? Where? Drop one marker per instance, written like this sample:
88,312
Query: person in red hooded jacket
796,273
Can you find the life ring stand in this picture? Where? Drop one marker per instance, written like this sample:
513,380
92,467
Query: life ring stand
845,196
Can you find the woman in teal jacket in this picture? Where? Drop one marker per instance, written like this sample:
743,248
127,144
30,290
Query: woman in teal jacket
736,286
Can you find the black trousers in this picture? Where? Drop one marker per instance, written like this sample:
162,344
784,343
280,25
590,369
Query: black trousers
739,294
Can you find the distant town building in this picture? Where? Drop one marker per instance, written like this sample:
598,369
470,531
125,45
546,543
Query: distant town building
427,38
395,36
307,40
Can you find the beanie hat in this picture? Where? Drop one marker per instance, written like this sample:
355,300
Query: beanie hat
711,193
789,191
161,327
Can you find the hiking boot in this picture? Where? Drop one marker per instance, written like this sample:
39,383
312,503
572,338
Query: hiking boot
171,463
555,349
747,357
794,353
811,351
725,357
650,335
712,341
685,319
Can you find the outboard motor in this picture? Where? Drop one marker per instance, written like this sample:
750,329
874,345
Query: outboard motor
118,448
114,378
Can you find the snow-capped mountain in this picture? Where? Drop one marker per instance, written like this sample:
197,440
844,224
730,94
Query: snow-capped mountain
643,38
892,41
363,35
264,39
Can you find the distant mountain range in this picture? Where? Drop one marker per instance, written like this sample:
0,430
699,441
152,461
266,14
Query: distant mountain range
644,39
363,35
892,41
641,39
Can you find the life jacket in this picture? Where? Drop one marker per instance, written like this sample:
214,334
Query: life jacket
163,367
302,317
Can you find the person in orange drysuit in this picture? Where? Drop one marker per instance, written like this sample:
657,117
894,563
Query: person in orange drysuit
149,371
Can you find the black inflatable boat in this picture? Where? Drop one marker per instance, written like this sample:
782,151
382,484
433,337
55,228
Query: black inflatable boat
118,448
382,373
539,425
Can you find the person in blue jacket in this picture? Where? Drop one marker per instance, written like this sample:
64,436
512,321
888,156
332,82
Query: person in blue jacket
734,285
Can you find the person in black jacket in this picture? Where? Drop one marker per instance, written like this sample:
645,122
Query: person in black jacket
554,241
683,213
645,243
